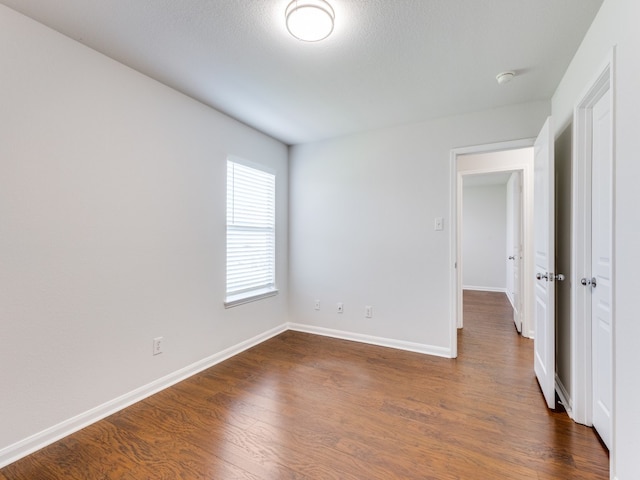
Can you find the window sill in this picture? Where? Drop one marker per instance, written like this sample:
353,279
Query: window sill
247,297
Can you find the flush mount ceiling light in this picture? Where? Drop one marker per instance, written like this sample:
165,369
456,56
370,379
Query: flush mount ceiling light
505,77
310,20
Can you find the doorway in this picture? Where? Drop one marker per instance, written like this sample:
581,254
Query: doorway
491,235
515,156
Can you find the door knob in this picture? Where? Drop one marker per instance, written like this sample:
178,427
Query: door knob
589,281
559,277
512,257
540,276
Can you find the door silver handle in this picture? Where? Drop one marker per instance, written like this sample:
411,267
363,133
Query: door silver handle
540,276
589,281
559,277
512,257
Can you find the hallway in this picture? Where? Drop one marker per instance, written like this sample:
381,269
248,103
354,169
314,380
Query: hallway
489,348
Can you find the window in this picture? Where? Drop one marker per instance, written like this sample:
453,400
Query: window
250,234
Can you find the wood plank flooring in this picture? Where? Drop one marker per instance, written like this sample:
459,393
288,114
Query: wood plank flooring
301,406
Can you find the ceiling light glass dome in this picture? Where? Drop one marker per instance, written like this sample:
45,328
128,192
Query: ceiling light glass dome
310,20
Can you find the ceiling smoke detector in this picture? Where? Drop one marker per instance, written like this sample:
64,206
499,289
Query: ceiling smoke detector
505,77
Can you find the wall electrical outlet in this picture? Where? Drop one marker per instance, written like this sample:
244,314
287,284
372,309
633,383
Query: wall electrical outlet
368,311
316,305
158,344
340,307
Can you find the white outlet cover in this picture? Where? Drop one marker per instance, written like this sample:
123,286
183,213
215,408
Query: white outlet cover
157,345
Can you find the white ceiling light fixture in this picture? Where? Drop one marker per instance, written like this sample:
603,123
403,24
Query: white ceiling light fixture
310,20
505,77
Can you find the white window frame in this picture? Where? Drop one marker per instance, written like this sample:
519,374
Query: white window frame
250,272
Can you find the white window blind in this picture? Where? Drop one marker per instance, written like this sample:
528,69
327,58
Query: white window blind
250,232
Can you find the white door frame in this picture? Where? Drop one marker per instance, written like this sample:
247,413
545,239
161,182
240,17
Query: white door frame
582,408
456,175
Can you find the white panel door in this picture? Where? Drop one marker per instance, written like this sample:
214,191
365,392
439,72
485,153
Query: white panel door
514,247
601,268
544,258
509,256
517,250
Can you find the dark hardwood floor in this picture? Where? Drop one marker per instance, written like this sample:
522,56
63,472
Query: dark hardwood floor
301,406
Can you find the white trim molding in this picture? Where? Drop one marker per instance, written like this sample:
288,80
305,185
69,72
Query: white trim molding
46,437
511,300
50,435
581,232
455,253
565,398
581,357
372,340
485,289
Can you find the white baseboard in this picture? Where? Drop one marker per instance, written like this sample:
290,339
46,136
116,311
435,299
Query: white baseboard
46,437
41,439
510,297
484,289
380,341
565,398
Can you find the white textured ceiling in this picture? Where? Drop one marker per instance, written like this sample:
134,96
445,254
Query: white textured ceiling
388,62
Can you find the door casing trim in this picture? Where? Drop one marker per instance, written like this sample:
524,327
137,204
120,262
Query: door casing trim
455,278
581,366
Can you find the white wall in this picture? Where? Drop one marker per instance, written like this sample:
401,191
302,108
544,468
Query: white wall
362,211
484,236
617,24
112,231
